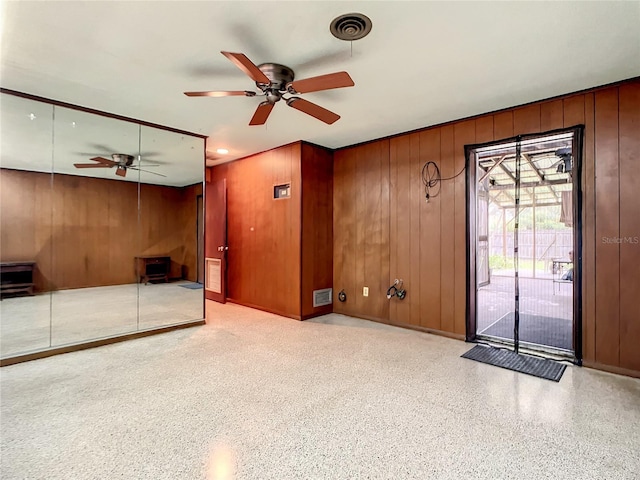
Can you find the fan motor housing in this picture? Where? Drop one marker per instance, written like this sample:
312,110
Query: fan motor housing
123,159
278,75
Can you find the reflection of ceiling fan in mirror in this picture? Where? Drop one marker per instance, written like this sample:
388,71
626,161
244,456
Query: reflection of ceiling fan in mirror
121,161
274,81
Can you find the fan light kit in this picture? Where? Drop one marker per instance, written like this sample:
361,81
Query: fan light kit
274,81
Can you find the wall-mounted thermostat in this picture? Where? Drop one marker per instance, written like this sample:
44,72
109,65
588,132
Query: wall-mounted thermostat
282,191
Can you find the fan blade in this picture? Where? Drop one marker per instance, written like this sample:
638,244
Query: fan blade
149,154
314,110
235,93
121,171
247,66
147,171
91,165
101,148
248,33
261,114
323,60
323,82
104,161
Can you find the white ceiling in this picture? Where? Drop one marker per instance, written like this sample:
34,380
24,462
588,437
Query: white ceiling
424,63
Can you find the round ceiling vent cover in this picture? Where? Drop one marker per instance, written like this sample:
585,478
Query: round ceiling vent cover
351,26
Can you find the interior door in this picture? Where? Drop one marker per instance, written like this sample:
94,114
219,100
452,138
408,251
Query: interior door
216,240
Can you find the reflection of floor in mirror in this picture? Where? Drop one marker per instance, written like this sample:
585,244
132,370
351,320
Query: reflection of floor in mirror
87,313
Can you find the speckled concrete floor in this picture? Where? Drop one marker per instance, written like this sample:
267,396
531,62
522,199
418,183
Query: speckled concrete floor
256,396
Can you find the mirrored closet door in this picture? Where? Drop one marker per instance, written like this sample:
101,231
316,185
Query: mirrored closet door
99,221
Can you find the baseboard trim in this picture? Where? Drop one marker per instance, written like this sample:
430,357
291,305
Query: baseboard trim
611,369
27,357
316,314
363,317
440,333
418,328
264,309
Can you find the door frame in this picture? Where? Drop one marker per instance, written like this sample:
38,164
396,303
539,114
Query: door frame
487,268
471,231
200,237
216,240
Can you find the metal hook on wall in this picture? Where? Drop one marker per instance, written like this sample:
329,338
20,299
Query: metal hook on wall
396,290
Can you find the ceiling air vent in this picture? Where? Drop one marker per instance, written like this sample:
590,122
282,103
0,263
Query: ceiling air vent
351,26
322,297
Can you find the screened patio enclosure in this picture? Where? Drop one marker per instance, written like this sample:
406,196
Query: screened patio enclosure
525,242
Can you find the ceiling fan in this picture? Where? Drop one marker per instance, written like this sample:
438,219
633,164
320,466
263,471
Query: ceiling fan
121,161
274,81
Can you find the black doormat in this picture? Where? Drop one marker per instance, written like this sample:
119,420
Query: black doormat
550,331
538,367
192,286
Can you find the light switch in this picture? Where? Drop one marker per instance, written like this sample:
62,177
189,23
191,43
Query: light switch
365,291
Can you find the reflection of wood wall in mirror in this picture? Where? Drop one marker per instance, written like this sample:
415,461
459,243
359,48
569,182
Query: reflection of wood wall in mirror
168,226
189,228
84,231
25,228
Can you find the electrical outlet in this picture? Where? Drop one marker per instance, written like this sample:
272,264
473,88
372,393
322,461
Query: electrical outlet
365,291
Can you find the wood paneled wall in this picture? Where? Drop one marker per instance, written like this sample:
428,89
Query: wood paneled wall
317,226
83,232
361,229
263,234
384,229
279,250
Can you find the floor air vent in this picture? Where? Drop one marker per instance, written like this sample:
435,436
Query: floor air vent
322,297
214,275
